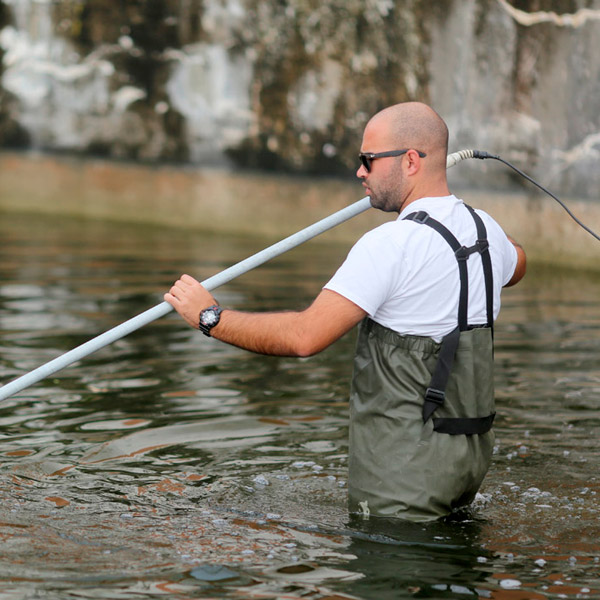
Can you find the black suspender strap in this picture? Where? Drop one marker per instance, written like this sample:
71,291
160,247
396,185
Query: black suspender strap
486,262
464,425
460,252
436,392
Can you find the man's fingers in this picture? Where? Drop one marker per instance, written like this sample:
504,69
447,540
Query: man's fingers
180,288
171,299
188,279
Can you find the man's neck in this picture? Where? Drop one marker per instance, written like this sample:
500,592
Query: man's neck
438,192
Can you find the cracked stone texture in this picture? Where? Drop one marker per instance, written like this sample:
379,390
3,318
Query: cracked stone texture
289,86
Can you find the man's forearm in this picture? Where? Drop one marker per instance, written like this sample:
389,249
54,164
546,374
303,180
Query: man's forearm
282,333
279,334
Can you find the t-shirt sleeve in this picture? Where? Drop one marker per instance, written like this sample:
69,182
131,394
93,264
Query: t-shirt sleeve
369,272
510,262
507,251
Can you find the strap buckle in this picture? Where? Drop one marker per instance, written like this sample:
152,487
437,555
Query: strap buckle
482,245
479,246
463,253
421,217
435,396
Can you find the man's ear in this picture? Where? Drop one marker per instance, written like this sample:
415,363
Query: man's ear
413,162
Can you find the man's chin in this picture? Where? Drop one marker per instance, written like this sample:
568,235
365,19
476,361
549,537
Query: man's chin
381,204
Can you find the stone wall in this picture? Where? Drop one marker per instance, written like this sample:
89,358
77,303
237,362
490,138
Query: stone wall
289,85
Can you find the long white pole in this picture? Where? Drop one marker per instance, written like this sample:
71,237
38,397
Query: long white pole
160,310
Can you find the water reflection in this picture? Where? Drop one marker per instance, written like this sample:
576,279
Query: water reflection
401,559
169,463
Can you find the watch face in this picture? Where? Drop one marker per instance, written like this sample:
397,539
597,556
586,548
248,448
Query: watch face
209,317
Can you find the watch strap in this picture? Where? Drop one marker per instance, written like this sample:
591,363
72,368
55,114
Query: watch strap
216,317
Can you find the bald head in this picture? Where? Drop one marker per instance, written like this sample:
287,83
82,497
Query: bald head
415,125
394,181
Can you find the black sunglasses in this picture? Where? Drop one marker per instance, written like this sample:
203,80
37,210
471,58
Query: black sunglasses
366,158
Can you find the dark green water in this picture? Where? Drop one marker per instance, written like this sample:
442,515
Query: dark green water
169,464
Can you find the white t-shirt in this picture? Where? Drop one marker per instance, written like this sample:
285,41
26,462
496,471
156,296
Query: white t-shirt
405,275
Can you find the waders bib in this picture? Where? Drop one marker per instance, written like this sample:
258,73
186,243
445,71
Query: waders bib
421,412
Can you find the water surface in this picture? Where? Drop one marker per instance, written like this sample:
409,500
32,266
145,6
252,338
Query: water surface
171,464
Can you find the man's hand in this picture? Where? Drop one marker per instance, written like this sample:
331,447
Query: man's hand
188,297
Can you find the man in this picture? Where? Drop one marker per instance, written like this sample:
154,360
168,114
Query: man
421,404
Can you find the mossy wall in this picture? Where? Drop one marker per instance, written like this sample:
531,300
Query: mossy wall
289,84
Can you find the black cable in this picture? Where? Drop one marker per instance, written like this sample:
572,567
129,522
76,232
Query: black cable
482,155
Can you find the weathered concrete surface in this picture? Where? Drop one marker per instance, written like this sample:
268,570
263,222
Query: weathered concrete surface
272,206
289,85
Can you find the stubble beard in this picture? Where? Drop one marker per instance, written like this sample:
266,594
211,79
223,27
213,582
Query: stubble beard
390,193
387,200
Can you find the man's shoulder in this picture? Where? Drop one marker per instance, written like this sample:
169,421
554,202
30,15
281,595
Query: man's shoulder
488,220
395,231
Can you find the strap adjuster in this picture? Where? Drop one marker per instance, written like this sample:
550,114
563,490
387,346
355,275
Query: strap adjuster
479,246
421,217
463,253
482,245
435,396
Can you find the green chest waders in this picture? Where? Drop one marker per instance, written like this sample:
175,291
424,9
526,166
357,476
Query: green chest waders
421,412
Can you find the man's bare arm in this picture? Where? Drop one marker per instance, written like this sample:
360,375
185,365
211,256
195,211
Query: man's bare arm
300,333
521,263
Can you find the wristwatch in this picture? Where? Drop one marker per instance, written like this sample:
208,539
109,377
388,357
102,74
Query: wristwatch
209,317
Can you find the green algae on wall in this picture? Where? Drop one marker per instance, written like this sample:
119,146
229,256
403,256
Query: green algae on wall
288,85
12,134
322,69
